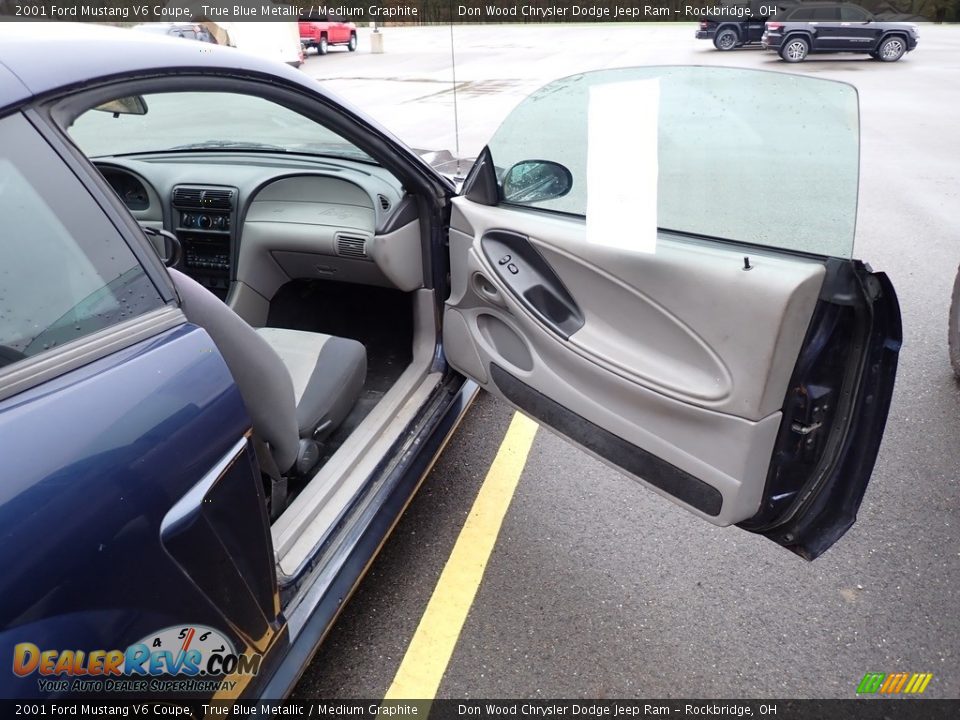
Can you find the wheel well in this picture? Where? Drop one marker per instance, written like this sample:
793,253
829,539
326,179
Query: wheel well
728,26
796,34
890,34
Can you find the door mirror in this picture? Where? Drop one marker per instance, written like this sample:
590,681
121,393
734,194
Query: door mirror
165,244
132,105
532,181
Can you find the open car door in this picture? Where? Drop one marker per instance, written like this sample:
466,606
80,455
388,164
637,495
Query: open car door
656,263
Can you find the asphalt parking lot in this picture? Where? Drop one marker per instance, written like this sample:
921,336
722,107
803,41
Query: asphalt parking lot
598,588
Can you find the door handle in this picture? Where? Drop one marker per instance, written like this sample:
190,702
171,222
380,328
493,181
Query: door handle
530,279
487,289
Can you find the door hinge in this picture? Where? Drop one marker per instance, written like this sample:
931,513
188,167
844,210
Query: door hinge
805,429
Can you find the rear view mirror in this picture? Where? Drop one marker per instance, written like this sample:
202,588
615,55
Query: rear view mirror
132,105
532,181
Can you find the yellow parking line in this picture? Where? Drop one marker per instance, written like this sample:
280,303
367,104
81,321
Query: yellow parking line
426,659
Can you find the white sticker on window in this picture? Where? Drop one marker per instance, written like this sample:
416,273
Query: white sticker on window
622,165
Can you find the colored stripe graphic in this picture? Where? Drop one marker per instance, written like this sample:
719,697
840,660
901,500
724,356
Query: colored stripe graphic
918,683
870,684
894,683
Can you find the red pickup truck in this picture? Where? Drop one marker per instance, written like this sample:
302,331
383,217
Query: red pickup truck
321,33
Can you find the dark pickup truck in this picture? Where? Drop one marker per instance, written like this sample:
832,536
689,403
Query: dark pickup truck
835,28
736,25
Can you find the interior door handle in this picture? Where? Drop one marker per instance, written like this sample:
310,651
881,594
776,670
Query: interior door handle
531,280
487,289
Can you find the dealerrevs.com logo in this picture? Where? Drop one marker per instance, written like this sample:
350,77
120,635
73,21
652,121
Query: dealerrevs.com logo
184,658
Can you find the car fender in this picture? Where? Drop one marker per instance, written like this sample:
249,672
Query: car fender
731,25
810,35
892,33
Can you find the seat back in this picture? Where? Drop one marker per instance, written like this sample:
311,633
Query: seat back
261,376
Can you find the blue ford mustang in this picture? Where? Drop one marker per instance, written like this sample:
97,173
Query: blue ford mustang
238,321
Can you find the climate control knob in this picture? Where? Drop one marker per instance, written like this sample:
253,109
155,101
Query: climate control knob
203,221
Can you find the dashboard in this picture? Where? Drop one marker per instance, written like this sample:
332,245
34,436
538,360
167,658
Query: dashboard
262,220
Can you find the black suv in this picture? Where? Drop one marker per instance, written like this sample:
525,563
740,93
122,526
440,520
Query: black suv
738,24
837,27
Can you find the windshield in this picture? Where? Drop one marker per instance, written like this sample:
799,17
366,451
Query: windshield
183,121
746,155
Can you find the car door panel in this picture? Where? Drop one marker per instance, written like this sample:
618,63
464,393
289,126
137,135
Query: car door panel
674,341
218,533
92,461
731,457
113,412
741,365
648,363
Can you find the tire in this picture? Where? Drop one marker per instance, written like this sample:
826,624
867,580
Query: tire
322,46
795,49
352,45
726,39
953,337
892,49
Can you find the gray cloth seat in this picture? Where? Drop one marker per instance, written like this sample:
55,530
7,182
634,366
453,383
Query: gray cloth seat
327,372
296,385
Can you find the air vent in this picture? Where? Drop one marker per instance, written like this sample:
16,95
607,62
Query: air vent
189,197
353,246
203,198
384,203
218,199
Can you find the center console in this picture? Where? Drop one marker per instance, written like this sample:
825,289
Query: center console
205,219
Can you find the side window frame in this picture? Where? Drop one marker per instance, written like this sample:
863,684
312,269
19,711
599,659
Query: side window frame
829,14
569,98
47,365
853,14
106,199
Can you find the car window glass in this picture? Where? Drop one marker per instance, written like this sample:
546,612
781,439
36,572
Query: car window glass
65,271
825,14
852,14
801,15
198,120
746,155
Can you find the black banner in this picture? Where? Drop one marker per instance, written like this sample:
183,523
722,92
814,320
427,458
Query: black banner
424,11
857,709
